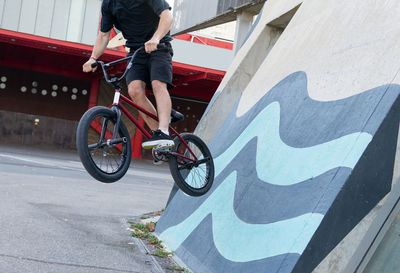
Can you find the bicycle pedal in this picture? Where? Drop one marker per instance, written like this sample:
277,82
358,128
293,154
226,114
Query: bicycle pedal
157,162
163,148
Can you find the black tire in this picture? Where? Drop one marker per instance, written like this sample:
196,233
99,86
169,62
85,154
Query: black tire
118,157
193,180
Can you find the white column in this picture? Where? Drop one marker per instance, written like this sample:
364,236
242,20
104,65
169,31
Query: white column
91,22
44,18
28,15
11,13
75,23
244,22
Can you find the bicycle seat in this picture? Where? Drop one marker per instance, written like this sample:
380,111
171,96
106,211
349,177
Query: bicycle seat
176,116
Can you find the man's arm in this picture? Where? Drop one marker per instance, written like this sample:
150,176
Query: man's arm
99,47
165,24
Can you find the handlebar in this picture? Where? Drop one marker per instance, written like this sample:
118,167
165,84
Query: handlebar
105,65
130,58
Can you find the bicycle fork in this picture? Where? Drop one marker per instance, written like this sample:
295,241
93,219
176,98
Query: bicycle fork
114,140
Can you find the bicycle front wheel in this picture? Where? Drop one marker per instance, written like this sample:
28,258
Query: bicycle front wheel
194,177
104,160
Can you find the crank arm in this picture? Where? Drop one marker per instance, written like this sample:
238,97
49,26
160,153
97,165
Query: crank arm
181,156
201,161
190,165
109,143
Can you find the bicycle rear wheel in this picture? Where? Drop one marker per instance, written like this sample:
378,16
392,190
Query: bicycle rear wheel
103,160
192,177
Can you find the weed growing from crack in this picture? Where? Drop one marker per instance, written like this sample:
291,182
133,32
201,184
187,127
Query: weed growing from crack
162,254
143,231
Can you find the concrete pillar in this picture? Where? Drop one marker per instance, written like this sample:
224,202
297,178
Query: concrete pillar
94,93
244,22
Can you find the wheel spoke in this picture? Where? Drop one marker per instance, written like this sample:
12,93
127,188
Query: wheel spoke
116,161
194,176
107,159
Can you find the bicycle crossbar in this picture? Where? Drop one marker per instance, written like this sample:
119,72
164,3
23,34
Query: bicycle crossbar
141,109
138,126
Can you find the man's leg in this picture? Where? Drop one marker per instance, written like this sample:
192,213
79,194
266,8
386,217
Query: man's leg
137,92
163,104
161,136
160,68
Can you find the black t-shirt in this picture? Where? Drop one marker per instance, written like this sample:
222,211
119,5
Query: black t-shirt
136,19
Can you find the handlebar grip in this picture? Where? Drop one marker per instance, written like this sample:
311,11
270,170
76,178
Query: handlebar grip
93,65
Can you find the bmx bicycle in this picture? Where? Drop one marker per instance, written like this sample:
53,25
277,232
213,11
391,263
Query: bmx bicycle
104,144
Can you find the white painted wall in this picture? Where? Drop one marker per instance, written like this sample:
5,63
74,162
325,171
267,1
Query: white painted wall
62,10
28,24
44,17
202,55
69,20
11,14
1,9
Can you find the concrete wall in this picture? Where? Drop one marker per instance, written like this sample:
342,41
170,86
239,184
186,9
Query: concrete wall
245,65
386,258
189,13
19,128
316,121
225,5
69,20
57,101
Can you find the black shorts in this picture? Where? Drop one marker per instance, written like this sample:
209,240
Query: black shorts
154,66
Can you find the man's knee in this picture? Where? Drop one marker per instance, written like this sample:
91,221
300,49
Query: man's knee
136,90
159,86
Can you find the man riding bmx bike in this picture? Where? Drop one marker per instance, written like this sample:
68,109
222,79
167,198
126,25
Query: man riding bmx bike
143,23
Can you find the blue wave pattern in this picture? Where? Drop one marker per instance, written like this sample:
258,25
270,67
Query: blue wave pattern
288,236
260,190
300,163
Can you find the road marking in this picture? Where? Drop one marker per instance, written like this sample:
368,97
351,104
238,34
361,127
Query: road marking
41,161
77,166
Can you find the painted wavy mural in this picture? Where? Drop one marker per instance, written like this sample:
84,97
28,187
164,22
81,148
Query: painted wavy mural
300,163
279,167
305,122
287,236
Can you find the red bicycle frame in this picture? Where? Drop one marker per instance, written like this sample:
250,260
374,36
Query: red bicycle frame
119,99
118,102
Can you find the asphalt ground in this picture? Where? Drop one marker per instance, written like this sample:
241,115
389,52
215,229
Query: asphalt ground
54,217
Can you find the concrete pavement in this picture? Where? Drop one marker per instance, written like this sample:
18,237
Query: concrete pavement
55,218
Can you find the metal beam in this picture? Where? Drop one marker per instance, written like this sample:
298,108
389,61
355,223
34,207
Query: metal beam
185,80
225,17
45,69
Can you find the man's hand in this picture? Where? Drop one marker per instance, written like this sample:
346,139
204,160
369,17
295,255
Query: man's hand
151,45
87,67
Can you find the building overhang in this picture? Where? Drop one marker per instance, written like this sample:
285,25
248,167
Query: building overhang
27,51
